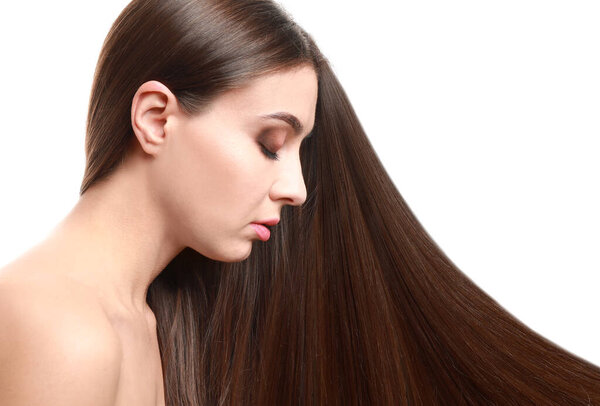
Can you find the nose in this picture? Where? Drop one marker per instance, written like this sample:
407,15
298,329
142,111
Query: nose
289,185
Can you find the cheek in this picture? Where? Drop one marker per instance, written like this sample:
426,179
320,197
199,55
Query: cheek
220,179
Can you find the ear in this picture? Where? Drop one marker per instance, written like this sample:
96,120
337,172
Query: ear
152,104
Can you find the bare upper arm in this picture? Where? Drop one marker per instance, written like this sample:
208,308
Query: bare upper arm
53,352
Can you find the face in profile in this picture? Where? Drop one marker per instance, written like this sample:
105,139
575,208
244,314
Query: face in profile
233,165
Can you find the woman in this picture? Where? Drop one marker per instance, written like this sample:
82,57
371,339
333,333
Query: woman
155,290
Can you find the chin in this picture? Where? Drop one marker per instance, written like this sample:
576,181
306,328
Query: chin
243,254
238,255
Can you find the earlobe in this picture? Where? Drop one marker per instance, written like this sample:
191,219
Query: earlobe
152,104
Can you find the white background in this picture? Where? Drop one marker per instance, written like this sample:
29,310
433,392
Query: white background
485,114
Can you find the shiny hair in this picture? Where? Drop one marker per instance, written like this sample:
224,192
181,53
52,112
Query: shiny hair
351,301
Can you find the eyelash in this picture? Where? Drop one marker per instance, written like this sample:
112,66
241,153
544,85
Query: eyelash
272,155
269,154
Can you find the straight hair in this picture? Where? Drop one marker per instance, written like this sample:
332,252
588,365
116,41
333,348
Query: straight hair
351,302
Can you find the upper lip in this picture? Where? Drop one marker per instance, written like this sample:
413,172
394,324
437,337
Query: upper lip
269,222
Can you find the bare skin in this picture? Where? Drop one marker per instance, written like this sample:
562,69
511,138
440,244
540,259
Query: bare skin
187,182
134,360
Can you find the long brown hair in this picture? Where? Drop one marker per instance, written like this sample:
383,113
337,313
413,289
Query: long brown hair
351,301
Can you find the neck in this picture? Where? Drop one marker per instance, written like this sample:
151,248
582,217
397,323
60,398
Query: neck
116,239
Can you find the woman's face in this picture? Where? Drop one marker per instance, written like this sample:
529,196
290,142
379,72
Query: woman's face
217,173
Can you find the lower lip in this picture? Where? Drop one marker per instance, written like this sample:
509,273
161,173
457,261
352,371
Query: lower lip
263,232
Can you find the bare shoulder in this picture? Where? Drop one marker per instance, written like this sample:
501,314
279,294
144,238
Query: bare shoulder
55,346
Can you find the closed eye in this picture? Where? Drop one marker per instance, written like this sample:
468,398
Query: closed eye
271,155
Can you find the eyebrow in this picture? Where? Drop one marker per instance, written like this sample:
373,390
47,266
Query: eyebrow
288,118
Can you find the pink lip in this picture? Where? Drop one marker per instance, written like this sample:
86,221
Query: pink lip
269,222
263,232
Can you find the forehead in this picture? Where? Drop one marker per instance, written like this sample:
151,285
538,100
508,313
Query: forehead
294,91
